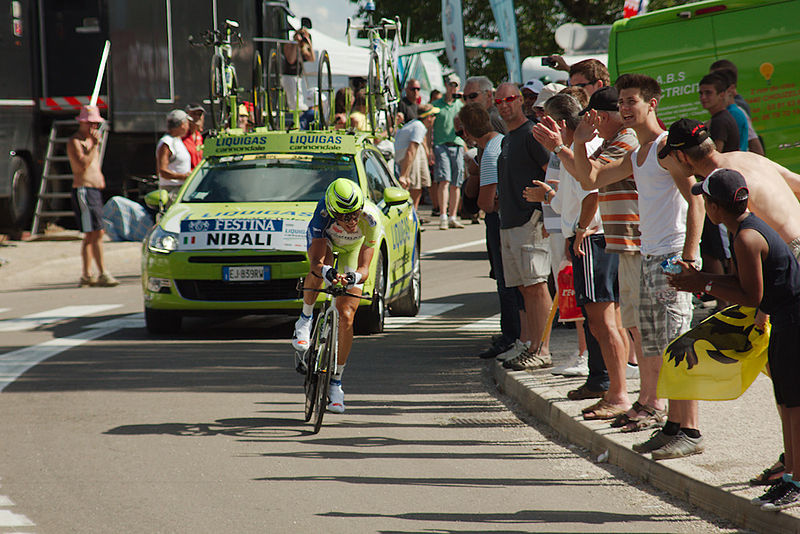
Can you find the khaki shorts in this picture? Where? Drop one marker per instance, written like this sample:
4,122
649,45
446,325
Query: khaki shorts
526,253
630,276
664,312
419,175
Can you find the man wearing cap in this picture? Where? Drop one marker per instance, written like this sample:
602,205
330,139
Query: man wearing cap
530,92
773,188
546,92
194,138
411,155
619,211
768,277
670,220
448,152
87,198
411,99
173,161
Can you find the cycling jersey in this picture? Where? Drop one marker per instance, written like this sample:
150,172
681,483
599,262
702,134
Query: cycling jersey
323,225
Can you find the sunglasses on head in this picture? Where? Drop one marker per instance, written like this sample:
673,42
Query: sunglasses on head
507,99
348,217
473,96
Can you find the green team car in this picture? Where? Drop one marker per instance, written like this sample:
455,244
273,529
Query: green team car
234,240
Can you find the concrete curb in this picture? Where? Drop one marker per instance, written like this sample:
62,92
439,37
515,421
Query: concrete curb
539,402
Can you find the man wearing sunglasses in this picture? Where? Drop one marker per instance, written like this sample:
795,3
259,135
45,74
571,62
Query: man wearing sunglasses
448,150
345,223
479,89
525,248
408,104
590,75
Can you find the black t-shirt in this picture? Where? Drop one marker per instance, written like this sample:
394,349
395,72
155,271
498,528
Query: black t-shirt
521,160
722,127
408,109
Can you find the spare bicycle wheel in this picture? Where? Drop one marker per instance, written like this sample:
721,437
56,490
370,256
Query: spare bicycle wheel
217,94
324,92
274,90
373,94
259,90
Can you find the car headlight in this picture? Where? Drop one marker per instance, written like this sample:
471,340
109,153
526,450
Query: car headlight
162,241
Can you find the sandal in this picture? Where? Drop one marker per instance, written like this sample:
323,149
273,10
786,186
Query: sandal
771,475
583,393
652,418
624,419
603,410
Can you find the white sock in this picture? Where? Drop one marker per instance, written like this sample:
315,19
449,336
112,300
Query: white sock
339,371
443,216
308,310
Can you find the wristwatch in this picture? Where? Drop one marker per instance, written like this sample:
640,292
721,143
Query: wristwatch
559,148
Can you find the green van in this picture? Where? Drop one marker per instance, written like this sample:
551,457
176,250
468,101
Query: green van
677,45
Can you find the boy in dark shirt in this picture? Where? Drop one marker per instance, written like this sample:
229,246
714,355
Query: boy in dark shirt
768,276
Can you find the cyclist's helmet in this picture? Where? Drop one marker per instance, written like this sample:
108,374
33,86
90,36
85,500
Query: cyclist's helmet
343,196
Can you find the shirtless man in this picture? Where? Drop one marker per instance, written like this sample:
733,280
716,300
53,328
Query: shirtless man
87,199
774,190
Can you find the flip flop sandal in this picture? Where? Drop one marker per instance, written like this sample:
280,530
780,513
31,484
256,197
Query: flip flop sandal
652,418
604,411
624,419
771,475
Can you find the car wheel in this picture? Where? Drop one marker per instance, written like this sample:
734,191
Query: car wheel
16,209
162,321
409,302
369,319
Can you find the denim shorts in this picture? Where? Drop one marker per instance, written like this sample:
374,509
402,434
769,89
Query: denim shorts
449,164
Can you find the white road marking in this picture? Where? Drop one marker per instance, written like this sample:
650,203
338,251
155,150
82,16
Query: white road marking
10,519
2,310
426,311
454,247
35,320
5,500
489,324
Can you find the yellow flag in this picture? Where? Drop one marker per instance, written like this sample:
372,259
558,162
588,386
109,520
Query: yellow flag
716,360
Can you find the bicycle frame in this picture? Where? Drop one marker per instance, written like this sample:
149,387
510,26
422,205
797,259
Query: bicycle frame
223,89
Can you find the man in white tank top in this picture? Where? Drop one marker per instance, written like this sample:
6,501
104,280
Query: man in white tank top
671,220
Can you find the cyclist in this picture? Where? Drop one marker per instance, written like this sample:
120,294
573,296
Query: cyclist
344,223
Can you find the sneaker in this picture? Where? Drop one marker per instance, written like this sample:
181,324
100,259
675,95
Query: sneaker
771,494
657,440
87,281
631,371
788,497
495,349
106,280
302,333
454,223
443,225
515,350
578,366
679,446
336,397
528,360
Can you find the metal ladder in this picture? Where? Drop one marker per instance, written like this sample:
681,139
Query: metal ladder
55,189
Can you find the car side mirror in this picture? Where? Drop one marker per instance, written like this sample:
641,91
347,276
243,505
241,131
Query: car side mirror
395,196
157,199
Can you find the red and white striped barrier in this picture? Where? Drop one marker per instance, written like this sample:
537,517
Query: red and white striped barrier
62,103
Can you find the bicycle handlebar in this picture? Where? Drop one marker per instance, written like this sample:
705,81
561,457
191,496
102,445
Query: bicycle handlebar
337,291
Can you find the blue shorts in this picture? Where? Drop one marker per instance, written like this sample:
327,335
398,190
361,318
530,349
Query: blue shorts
595,273
87,204
449,164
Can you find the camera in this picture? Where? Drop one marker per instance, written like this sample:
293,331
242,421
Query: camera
547,61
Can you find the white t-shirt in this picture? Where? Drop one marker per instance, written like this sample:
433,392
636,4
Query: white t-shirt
413,131
570,196
180,162
552,220
662,208
489,160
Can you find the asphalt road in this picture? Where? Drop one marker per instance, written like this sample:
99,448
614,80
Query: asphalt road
117,431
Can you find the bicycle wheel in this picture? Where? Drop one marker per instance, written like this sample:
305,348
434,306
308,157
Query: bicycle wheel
259,91
373,94
391,95
217,93
326,365
231,117
324,87
311,381
274,90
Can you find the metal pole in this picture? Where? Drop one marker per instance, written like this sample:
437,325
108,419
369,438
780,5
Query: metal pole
100,72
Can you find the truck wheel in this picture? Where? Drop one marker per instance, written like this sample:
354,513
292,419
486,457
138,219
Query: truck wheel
162,321
16,209
369,319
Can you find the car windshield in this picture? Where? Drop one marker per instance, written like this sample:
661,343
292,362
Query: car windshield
268,177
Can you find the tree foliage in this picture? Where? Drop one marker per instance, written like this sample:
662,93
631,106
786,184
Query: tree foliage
536,24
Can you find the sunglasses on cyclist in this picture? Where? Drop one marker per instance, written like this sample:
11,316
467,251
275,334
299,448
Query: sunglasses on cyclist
348,217
507,99
473,96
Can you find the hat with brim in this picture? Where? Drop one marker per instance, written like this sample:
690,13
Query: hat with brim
684,133
533,85
428,112
90,114
604,99
547,91
724,186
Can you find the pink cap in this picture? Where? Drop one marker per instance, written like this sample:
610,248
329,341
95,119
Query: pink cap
90,114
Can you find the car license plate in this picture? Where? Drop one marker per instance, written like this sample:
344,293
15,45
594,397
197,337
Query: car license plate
246,273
